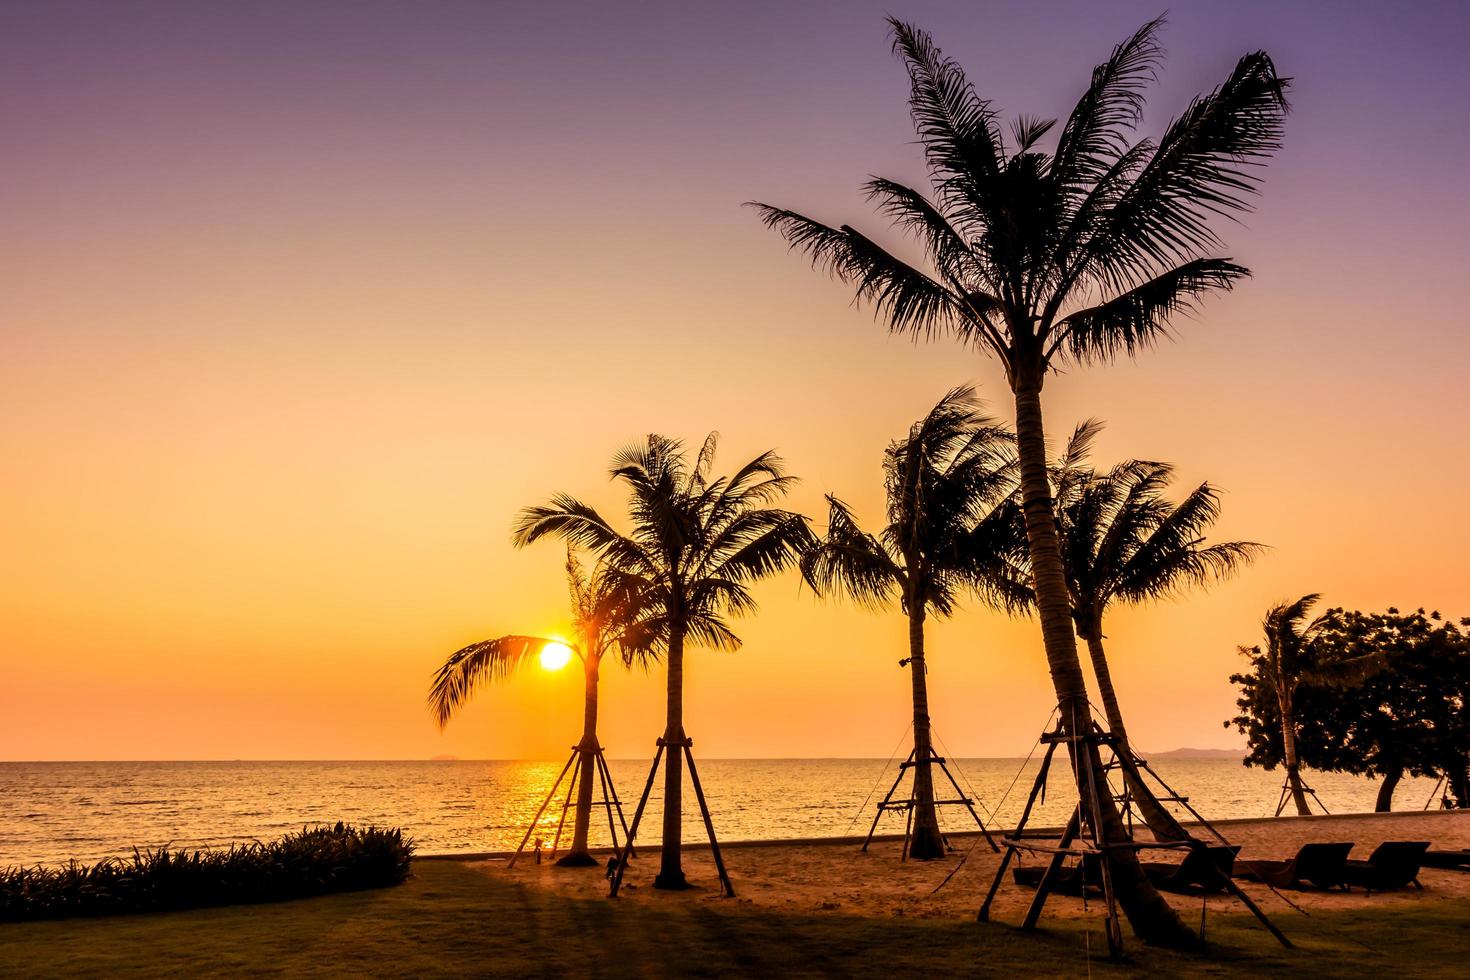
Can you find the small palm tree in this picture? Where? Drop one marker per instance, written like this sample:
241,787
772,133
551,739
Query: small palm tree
1083,253
696,543
953,527
606,611
1289,662
1123,540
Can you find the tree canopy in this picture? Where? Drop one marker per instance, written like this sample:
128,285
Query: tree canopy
1409,717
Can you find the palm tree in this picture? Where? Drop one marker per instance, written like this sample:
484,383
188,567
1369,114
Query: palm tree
1083,253
1123,540
1289,662
696,544
606,611
953,527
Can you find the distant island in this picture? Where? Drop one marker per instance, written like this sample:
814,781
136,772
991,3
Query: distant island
1186,753
444,758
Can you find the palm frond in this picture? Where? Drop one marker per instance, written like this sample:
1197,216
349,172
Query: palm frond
947,246
850,561
957,128
911,301
710,630
1141,315
467,668
1095,135
1207,164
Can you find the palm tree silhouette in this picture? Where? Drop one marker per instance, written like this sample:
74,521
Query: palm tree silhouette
1288,662
606,610
1123,540
953,527
1084,253
696,543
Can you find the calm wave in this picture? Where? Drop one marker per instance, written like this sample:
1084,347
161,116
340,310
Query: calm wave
55,811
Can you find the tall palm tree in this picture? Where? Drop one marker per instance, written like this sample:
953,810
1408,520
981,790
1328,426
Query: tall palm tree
697,542
606,612
953,527
1123,540
1289,662
1083,253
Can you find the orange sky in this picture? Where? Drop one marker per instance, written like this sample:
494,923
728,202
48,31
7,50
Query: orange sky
286,346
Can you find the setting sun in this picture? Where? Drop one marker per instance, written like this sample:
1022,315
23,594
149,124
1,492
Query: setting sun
555,656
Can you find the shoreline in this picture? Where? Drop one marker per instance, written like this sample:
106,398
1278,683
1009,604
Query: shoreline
652,846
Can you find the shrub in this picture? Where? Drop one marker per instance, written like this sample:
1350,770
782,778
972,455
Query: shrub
315,861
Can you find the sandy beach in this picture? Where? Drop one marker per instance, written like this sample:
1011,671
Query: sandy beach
837,877
818,909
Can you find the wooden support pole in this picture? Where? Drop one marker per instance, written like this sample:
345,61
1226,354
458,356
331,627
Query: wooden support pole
613,788
607,798
969,805
622,865
709,824
1043,887
544,804
883,805
566,804
1036,789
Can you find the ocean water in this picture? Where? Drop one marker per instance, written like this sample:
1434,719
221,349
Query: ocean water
56,811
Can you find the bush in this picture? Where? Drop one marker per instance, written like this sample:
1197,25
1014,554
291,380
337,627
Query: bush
315,861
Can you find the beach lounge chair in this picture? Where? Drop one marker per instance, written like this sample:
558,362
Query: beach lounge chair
1447,860
1393,864
1200,873
1320,864
1084,877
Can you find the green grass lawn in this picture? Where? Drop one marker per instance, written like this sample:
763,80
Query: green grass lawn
450,920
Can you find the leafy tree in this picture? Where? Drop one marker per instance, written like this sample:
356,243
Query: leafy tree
607,611
1083,253
953,528
1407,718
696,543
1124,541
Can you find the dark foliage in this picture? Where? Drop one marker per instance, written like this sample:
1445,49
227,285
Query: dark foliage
1411,717
315,861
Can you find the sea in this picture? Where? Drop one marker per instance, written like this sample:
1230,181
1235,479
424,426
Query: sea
53,812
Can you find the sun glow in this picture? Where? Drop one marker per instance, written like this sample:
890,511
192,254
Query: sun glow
555,656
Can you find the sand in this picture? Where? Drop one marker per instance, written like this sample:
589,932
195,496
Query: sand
836,877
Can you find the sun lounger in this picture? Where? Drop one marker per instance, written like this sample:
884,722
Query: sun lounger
1201,872
1076,879
1448,860
1322,865
1393,864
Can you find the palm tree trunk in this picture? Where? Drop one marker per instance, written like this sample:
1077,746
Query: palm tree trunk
1390,782
1151,917
578,856
670,868
1160,821
1288,753
926,841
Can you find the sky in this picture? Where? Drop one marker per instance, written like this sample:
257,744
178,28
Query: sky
304,300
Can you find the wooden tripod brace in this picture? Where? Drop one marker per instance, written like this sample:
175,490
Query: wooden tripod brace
888,803
609,801
684,745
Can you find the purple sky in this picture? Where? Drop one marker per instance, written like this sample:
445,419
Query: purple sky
304,299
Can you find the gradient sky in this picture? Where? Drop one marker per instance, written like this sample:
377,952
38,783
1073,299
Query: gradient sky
303,300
